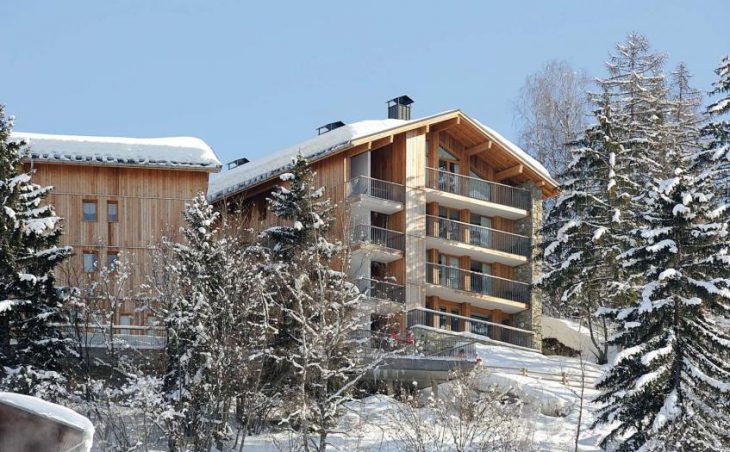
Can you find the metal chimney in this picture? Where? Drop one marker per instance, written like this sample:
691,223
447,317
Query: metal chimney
400,108
329,127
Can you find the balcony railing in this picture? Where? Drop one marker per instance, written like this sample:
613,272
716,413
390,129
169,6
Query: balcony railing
366,233
458,323
382,290
477,235
441,347
117,336
456,278
478,188
363,185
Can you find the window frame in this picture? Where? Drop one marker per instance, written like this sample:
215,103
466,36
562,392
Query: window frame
84,253
116,214
94,202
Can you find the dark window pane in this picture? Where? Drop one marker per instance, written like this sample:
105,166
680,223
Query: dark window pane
89,262
111,212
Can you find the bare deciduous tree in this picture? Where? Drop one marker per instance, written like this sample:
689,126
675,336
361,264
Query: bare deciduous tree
551,111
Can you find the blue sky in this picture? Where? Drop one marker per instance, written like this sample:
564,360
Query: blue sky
253,78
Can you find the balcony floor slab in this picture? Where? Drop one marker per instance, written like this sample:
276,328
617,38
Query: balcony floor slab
384,206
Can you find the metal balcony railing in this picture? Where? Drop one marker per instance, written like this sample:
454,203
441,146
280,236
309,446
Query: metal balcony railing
441,346
365,233
363,185
456,278
118,336
478,188
477,235
382,290
458,323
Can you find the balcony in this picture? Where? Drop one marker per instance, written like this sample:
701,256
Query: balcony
480,289
478,195
382,290
376,195
478,242
421,317
378,244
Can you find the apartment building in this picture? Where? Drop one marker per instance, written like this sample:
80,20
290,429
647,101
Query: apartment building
441,213
117,198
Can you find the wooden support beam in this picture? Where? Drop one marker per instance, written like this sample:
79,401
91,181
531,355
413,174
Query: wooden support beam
509,172
449,123
478,148
381,142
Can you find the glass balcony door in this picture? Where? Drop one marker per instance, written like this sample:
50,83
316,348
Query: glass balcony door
449,271
479,236
480,280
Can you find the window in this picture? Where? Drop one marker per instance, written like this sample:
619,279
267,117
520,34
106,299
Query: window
89,210
89,261
111,262
125,320
112,211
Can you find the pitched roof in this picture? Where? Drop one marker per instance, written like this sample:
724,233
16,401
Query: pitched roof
251,174
173,152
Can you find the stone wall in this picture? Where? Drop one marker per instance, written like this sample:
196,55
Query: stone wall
531,319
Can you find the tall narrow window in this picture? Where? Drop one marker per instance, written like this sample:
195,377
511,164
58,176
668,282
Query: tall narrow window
111,262
112,212
89,210
125,320
89,261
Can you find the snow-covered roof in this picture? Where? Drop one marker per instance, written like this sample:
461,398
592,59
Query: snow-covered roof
51,411
250,174
172,152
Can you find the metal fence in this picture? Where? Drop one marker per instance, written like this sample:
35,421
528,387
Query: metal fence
439,346
383,290
118,336
476,235
379,236
456,278
458,323
363,185
478,188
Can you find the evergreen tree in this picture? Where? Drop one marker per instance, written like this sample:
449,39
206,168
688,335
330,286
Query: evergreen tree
601,190
316,349
197,269
31,349
669,387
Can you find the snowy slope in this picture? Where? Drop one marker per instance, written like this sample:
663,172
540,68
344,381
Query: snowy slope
172,152
552,405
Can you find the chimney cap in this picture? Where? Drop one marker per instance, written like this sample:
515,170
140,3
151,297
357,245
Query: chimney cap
400,100
329,127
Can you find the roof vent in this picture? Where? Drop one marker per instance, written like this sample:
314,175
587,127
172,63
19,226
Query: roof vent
400,108
329,127
238,162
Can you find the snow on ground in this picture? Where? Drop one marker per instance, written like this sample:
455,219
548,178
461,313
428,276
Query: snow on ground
552,406
54,412
571,334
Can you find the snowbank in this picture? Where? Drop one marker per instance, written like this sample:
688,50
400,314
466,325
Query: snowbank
571,334
53,412
172,152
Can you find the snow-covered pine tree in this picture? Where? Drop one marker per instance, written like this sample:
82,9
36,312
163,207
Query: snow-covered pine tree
198,269
715,157
602,188
31,349
583,234
317,344
669,387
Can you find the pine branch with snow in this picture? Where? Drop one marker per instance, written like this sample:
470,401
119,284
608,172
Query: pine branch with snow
31,349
